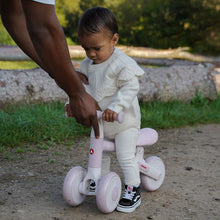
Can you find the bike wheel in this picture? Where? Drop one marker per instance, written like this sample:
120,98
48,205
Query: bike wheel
71,186
108,192
149,183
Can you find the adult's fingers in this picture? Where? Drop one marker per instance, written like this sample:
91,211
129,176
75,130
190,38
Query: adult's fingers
93,122
95,125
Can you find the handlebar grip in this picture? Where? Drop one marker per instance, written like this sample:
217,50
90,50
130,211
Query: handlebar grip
119,118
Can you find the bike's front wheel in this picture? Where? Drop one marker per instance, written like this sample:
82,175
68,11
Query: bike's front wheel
71,186
108,192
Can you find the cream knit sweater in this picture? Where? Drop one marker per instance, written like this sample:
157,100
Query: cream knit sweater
114,84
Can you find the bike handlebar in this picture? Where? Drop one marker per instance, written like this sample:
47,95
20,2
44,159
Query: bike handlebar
119,118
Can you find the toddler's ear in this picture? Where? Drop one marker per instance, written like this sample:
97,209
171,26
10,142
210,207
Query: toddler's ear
115,38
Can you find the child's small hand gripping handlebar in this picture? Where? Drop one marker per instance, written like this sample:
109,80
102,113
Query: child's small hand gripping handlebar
119,118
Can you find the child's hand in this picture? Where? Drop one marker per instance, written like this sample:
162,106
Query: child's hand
83,78
109,115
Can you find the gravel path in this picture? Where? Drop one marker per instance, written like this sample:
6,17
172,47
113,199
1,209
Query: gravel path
31,183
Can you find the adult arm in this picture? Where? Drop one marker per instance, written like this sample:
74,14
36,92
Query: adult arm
13,18
38,32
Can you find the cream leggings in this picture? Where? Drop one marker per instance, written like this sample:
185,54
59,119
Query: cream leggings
125,151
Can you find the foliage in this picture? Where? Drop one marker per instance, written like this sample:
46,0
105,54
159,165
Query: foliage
158,24
170,24
199,100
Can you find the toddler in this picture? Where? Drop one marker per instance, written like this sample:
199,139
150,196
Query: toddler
112,79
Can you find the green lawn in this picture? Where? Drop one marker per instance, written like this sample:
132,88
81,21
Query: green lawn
17,65
45,124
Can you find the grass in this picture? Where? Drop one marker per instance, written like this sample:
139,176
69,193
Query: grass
5,37
178,114
45,124
18,64
13,65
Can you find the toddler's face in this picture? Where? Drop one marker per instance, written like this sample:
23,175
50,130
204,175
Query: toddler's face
99,46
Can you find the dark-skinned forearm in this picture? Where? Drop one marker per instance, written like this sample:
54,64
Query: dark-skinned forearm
49,42
14,21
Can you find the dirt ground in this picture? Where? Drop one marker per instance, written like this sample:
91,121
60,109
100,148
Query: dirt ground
31,183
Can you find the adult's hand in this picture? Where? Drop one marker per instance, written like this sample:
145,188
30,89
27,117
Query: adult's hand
50,44
83,108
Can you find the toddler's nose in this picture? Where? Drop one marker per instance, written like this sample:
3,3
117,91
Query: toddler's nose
91,54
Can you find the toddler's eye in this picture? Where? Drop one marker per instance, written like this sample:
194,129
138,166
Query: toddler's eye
97,48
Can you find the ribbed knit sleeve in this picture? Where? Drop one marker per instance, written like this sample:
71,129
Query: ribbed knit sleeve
127,92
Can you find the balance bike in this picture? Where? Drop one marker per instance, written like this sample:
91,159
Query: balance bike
108,187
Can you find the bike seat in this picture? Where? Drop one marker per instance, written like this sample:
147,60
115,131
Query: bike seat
147,136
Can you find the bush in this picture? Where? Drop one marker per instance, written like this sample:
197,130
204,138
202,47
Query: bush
160,24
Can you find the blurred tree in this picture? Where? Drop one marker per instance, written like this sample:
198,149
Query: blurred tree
205,26
129,17
85,4
171,23
158,23
68,13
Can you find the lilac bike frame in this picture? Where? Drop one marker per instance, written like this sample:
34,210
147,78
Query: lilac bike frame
147,136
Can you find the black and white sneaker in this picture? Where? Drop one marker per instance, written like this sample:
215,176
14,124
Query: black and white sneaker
92,187
130,200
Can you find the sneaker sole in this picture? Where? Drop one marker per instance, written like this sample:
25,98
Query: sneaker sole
91,193
128,209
